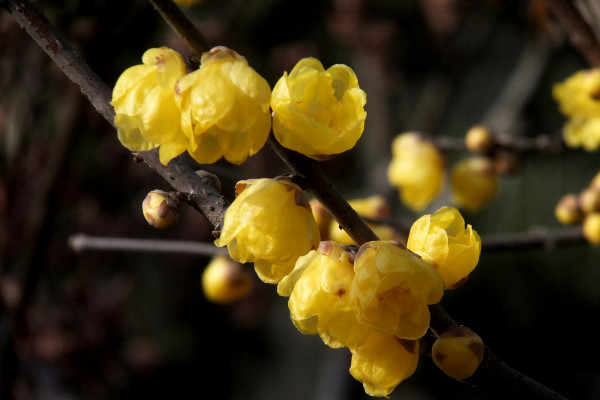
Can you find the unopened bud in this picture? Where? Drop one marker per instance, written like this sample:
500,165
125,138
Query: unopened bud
225,281
479,139
567,210
458,352
591,228
210,179
160,209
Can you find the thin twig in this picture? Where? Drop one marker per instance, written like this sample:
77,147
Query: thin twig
81,242
539,239
177,20
580,34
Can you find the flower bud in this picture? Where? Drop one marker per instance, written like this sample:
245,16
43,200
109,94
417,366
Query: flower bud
225,281
458,352
322,217
591,228
479,139
160,209
595,184
474,183
567,210
589,200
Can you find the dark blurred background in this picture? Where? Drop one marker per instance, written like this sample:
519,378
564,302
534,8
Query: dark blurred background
108,324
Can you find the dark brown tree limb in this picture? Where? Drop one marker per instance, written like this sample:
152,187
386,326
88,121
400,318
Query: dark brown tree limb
580,34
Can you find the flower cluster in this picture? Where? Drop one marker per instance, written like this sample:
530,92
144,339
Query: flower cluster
222,109
579,100
582,207
373,301
417,170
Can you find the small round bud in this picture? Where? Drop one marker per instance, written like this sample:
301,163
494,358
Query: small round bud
567,210
591,228
160,209
589,200
225,281
474,183
479,139
210,179
458,352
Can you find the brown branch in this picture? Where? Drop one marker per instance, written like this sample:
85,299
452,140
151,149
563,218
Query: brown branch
580,34
316,182
544,239
177,20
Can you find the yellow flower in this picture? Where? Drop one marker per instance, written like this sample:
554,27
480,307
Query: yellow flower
591,228
392,289
318,112
318,288
442,239
225,281
458,352
579,95
383,361
584,132
474,183
270,223
224,108
143,99
416,170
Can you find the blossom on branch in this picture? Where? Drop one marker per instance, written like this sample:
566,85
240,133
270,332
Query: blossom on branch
145,112
579,100
224,108
416,170
443,240
392,289
318,112
269,223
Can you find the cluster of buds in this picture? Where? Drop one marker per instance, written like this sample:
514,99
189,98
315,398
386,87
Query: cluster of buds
579,101
582,207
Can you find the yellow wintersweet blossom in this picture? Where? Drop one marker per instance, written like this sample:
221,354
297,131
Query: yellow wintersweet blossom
392,289
579,94
416,170
443,240
224,108
145,112
318,112
584,132
474,183
269,223
318,288
579,100
382,361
